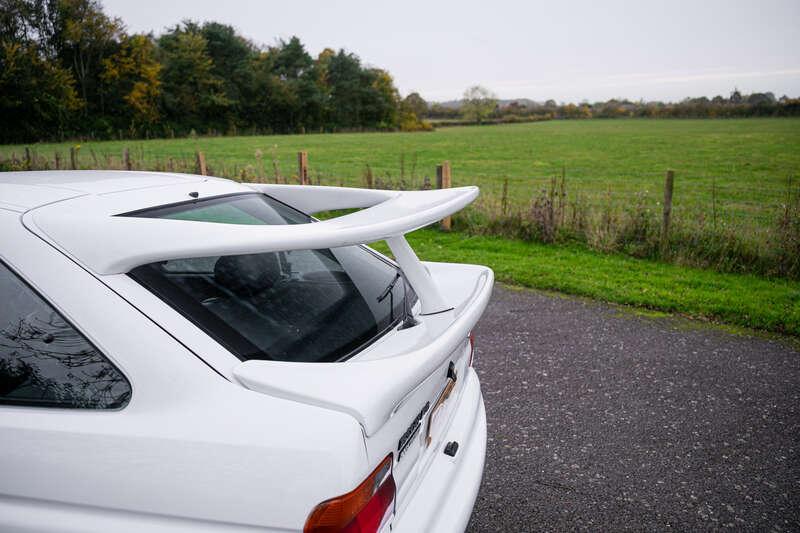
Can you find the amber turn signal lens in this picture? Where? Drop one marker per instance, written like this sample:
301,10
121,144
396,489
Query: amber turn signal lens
363,509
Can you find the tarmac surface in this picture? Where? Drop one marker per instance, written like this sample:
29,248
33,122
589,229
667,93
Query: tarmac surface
602,419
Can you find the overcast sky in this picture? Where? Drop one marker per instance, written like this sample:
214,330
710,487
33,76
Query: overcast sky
561,49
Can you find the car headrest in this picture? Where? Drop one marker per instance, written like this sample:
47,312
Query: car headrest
247,274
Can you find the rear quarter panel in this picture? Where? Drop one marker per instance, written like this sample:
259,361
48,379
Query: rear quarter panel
190,450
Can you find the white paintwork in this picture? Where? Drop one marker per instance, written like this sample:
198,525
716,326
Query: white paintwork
196,449
323,198
443,500
190,445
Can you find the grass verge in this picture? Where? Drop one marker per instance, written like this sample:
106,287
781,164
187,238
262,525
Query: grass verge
742,300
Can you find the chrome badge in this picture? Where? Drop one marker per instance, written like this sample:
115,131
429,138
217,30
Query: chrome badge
412,431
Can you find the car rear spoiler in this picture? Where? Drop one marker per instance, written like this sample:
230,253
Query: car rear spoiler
387,215
112,243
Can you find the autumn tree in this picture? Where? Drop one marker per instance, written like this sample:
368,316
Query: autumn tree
413,109
82,37
416,104
382,99
345,107
132,83
37,94
478,104
294,66
193,96
37,97
274,105
232,58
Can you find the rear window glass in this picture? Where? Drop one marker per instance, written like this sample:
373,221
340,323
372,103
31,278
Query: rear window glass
300,305
246,208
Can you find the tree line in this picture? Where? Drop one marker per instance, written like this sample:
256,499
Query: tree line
69,70
480,105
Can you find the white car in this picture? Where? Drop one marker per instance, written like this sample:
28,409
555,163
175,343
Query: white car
184,353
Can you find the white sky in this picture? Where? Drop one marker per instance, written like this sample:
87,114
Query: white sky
567,50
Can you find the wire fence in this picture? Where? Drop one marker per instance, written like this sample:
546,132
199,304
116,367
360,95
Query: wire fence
731,222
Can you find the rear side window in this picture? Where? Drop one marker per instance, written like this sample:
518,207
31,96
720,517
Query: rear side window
44,361
299,305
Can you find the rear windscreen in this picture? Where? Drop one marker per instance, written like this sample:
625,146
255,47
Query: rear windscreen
299,305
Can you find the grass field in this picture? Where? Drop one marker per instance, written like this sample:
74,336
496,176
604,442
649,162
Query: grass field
747,161
742,300
734,170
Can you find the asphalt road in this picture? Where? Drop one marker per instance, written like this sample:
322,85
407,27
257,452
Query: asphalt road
603,420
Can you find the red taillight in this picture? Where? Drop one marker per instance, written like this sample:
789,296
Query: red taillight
362,510
471,347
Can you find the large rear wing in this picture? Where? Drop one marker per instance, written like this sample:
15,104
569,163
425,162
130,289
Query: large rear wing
388,215
91,230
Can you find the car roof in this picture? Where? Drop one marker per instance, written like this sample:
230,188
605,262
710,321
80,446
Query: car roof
21,191
78,211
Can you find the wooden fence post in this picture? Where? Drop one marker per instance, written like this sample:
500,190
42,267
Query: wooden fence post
302,167
562,196
369,179
126,159
444,181
504,198
668,186
28,159
201,164
260,166
73,158
58,160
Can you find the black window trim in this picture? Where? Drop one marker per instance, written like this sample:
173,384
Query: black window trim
52,405
148,212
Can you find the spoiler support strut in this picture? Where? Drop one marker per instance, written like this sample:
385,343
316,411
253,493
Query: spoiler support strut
419,278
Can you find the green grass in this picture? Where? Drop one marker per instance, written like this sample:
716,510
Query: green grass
742,166
741,300
747,159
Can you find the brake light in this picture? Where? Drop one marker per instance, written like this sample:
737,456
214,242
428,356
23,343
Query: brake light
362,510
471,338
